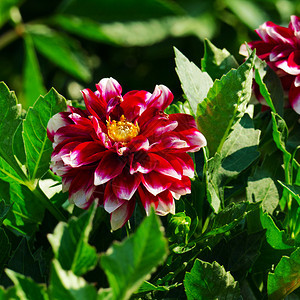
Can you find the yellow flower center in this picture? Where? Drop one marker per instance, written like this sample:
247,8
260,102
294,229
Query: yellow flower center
122,131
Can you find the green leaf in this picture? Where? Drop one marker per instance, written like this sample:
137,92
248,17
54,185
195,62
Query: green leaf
262,188
4,209
224,105
121,11
10,113
179,227
37,145
217,62
129,263
74,235
65,285
270,86
5,7
5,248
239,150
61,50
26,288
8,173
286,277
194,82
248,12
33,81
147,287
210,281
136,33
24,215
294,190
275,237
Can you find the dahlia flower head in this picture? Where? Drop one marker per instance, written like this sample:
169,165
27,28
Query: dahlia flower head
280,48
124,146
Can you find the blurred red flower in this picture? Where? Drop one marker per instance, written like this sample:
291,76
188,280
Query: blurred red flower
280,48
121,146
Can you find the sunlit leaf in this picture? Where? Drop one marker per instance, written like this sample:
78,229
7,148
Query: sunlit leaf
61,50
129,263
217,62
286,277
26,288
210,281
37,145
294,190
275,237
194,82
74,235
224,105
10,113
66,285
33,81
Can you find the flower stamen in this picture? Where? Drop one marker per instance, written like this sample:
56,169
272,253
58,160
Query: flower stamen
123,130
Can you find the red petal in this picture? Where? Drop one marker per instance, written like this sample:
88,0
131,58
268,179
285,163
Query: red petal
141,162
156,183
109,88
121,215
165,204
161,98
57,121
147,199
294,98
125,185
110,166
95,105
86,153
111,201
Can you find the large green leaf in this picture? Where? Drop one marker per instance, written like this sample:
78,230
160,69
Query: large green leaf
217,62
194,82
66,285
129,263
286,277
224,105
10,113
261,187
27,211
119,10
210,281
37,145
275,237
74,235
239,150
4,209
61,50
33,81
249,12
136,33
26,288
8,173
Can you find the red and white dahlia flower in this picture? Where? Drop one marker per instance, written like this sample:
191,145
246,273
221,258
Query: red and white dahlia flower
280,48
121,146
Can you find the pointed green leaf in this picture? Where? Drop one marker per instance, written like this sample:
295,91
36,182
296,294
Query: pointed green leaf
194,82
37,145
217,62
33,81
239,150
10,113
8,173
129,263
270,86
74,235
26,288
61,50
261,187
5,7
275,237
294,190
66,285
225,105
24,215
286,277
5,247
210,281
